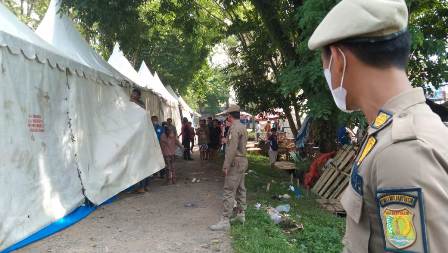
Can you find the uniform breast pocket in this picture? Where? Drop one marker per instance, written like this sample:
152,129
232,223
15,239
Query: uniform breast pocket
352,203
357,231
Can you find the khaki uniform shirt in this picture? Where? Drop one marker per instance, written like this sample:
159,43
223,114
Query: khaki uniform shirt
397,200
236,143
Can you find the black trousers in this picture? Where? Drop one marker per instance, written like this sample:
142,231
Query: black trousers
187,149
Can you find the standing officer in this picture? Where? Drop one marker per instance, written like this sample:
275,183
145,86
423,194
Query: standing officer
397,200
234,168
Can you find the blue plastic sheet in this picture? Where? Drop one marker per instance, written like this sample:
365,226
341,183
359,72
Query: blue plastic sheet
59,225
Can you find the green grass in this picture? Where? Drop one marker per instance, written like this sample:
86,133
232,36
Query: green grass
322,231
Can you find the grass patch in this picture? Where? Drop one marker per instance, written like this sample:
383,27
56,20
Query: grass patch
322,231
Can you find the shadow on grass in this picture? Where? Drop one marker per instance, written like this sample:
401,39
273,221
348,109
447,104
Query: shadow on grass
322,231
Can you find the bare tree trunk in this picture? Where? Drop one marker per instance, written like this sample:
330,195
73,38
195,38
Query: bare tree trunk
30,7
291,122
297,114
21,6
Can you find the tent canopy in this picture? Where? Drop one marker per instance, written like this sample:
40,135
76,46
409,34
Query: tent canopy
182,102
154,83
122,65
59,31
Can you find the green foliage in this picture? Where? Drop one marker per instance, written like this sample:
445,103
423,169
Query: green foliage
428,26
322,231
208,90
173,37
29,12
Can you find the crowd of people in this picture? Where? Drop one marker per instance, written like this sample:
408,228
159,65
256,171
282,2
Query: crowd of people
210,137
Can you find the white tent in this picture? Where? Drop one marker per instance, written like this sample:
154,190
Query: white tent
59,31
154,83
38,177
103,112
64,133
167,108
187,111
118,61
170,104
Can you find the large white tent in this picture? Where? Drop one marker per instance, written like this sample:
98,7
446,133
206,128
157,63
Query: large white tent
101,112
69,131
170,104
154,83
187,111
59,31
153,101
166,108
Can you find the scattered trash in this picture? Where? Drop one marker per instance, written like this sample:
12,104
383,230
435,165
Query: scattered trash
275,215
283,208
194,180
189,205
280,216
268,187
205,246
296,191
216,245
258,206
198,181
284,196
281,197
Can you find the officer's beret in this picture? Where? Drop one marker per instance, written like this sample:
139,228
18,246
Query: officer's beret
364,20
233,108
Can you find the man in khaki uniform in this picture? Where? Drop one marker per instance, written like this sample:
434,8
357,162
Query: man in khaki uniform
397,200
234,168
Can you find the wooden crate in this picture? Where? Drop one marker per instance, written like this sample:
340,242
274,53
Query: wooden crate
335,178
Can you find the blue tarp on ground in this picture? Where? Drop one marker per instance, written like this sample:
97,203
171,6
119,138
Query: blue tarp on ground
59,225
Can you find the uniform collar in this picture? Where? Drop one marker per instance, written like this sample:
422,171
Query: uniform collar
396,105
405,100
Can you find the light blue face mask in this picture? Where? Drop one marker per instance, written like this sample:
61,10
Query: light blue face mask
340,93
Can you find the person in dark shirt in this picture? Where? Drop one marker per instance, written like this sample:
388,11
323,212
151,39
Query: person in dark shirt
273,147
186,141
136,98
215,139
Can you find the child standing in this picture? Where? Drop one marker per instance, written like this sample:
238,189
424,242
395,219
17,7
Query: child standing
203,134
168,143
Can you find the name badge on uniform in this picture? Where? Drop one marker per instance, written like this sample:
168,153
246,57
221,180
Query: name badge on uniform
381,119
402,220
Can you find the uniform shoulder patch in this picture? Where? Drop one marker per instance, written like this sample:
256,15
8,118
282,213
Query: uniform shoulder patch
381,119
402,218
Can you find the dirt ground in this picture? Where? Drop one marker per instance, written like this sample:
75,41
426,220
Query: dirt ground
171,218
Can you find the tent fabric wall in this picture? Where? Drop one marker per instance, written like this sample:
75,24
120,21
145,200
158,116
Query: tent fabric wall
39,181
110,131
170,105
64,126
115,144
153,104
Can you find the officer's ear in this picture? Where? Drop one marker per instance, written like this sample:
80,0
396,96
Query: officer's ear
338,66
338,60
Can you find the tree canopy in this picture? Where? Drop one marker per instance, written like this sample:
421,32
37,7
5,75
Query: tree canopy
266,40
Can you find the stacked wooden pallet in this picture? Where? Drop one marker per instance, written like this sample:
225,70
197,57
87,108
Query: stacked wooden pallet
335,179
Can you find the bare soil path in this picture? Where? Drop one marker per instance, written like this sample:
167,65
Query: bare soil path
171,218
